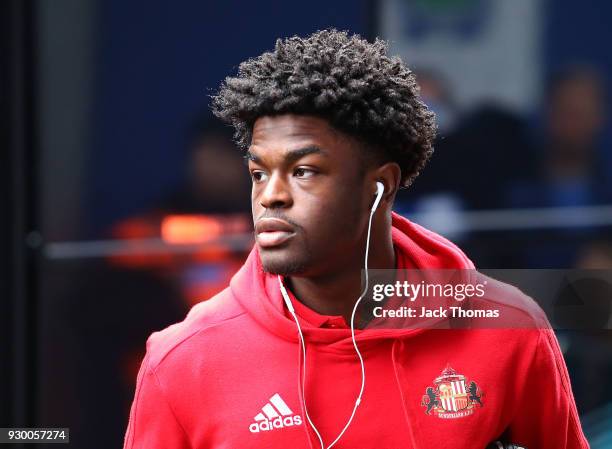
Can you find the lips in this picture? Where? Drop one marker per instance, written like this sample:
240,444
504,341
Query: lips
271,232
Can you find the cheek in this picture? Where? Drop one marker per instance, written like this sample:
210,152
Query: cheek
256,207
348,202
333,218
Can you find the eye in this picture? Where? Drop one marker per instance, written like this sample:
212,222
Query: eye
304,173
258,176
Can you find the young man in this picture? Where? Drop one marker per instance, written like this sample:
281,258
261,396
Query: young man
324,120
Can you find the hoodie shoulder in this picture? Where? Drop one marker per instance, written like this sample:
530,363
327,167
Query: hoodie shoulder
429,248
517,309
215,311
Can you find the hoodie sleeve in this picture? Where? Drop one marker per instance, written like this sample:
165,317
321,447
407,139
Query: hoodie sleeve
152,423
546,416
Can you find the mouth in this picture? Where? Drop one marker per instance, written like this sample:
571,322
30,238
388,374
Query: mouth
274,238
272,232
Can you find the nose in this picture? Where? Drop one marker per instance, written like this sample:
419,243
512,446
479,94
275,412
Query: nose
276,193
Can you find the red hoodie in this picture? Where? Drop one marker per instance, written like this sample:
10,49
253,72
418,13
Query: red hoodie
229,375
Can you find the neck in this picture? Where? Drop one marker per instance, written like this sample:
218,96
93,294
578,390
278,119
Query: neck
336,293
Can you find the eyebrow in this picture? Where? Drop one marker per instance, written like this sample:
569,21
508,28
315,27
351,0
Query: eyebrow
291,155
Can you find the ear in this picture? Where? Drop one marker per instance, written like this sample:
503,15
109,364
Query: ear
389,174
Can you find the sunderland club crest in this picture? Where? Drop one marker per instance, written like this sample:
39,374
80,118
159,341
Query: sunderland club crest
452,396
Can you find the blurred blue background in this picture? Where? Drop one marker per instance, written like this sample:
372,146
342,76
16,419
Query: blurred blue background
129,77
131,203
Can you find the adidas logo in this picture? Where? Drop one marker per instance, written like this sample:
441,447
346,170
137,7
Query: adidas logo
276,414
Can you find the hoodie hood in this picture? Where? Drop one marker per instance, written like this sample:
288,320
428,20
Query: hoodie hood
259,293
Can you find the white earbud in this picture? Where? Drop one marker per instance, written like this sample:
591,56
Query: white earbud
380,189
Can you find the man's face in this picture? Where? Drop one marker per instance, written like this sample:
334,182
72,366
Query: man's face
309,197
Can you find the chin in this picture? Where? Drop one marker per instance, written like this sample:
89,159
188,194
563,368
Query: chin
282,265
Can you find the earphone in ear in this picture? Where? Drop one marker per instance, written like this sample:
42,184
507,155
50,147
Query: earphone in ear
380,189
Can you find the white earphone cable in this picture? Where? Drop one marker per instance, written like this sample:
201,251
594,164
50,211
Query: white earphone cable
292,310
363,293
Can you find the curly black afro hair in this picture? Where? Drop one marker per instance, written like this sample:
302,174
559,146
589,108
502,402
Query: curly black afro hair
344,79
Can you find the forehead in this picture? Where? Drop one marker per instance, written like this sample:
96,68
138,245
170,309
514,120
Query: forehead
285,132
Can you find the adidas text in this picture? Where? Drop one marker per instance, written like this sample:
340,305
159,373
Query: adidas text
276,423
